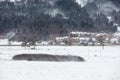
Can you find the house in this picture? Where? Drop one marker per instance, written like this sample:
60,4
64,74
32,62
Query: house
115,40
4,42
104,37
82,38
87,38
59,40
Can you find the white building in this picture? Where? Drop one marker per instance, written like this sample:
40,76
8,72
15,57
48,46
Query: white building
116,37
4,42
115,40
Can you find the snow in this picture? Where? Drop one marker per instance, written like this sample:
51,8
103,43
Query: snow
84,38
23,70
107,7
83,2
55,12
118,28
89,53
3,41
109,19
77,32
44,43
61,38
7,42
101,63
117,34
114,40
11,0
16,43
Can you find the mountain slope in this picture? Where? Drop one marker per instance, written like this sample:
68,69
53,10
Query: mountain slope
58,17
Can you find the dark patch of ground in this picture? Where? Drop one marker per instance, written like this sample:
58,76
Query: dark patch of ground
47,57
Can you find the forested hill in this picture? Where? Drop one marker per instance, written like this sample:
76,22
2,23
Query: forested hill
58,17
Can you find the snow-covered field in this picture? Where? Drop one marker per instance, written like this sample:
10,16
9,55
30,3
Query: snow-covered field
101,64
89,53
23,70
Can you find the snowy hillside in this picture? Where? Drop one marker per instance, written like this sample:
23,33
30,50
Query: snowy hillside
44,18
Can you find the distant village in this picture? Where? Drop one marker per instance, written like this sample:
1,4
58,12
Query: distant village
89,39
74,38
